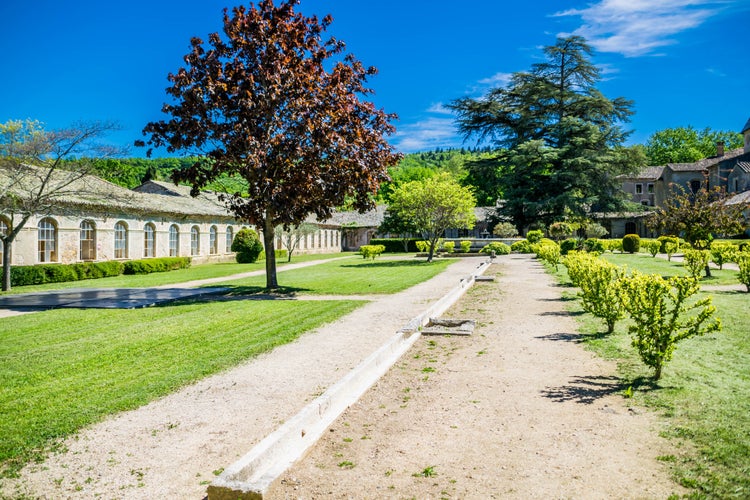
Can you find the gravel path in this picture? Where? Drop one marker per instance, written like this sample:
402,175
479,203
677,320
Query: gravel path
171,447
517,410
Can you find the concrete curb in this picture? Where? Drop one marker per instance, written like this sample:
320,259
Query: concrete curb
252,475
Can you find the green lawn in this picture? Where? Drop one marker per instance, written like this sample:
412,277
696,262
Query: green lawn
658,265
354,276
197,272
61,370
704,393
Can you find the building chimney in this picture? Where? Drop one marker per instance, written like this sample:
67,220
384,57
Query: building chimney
720,148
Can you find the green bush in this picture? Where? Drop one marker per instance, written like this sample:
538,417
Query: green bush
448,246
631,243
496,246
663,240
723,252
594,245
371,251
280,254
160,265
465,246
57,273
569,244
696,261
743,260
505,230
548,251
534,236
247,246
652,246
660,312
396,245
522,246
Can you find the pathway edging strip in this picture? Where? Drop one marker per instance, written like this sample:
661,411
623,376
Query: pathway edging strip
252,475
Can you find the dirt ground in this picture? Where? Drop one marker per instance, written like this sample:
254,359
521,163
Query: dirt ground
517,410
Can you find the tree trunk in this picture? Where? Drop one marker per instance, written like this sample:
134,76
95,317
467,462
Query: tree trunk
269,237
7,246
708,271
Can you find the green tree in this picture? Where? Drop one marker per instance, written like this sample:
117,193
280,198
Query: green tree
563,138
687,145
698,217
291,236
434,205
399,224
40,169
270,102
661,314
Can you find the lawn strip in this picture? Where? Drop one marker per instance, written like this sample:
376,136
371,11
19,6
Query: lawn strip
703,393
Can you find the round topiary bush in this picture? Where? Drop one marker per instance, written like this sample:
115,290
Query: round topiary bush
522,246
569,244
247,245
498,247
631,243
534,236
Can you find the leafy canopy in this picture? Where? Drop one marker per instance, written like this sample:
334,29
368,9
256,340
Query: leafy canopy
687,145
563,137
432,206
272,103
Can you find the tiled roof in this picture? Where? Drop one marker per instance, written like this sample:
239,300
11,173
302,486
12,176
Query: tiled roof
649,173
744,166
704,164
741,198
92,193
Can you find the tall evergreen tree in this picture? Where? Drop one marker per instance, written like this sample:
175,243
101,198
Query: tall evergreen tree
563,137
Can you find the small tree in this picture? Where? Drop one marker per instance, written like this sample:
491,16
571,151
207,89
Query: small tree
291,237
653,247
505,230
560,230
722,252
599,282
247,246
660,311
272,103
696,261
743,261
433,206
398,224
698,217
39,169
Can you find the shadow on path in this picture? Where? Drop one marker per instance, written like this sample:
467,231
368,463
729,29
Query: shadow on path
586,389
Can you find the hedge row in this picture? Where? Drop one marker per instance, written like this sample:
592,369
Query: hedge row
396,245
160,265
58,273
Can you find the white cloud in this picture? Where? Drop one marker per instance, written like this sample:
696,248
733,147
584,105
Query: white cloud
440,109
426,134
639,27
496,80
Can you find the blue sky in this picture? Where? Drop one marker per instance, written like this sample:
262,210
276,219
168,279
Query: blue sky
683,62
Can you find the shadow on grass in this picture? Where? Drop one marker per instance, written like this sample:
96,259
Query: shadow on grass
586,389
239,293
568,298
389,263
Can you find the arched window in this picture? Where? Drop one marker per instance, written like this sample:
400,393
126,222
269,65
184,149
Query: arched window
121,241
195,242
230,239
174,240
213,240
87,241
47,240
3,231
149,240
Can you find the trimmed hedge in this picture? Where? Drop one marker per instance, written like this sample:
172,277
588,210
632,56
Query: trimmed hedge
59,273
147,266
396,245
498,247
631,243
